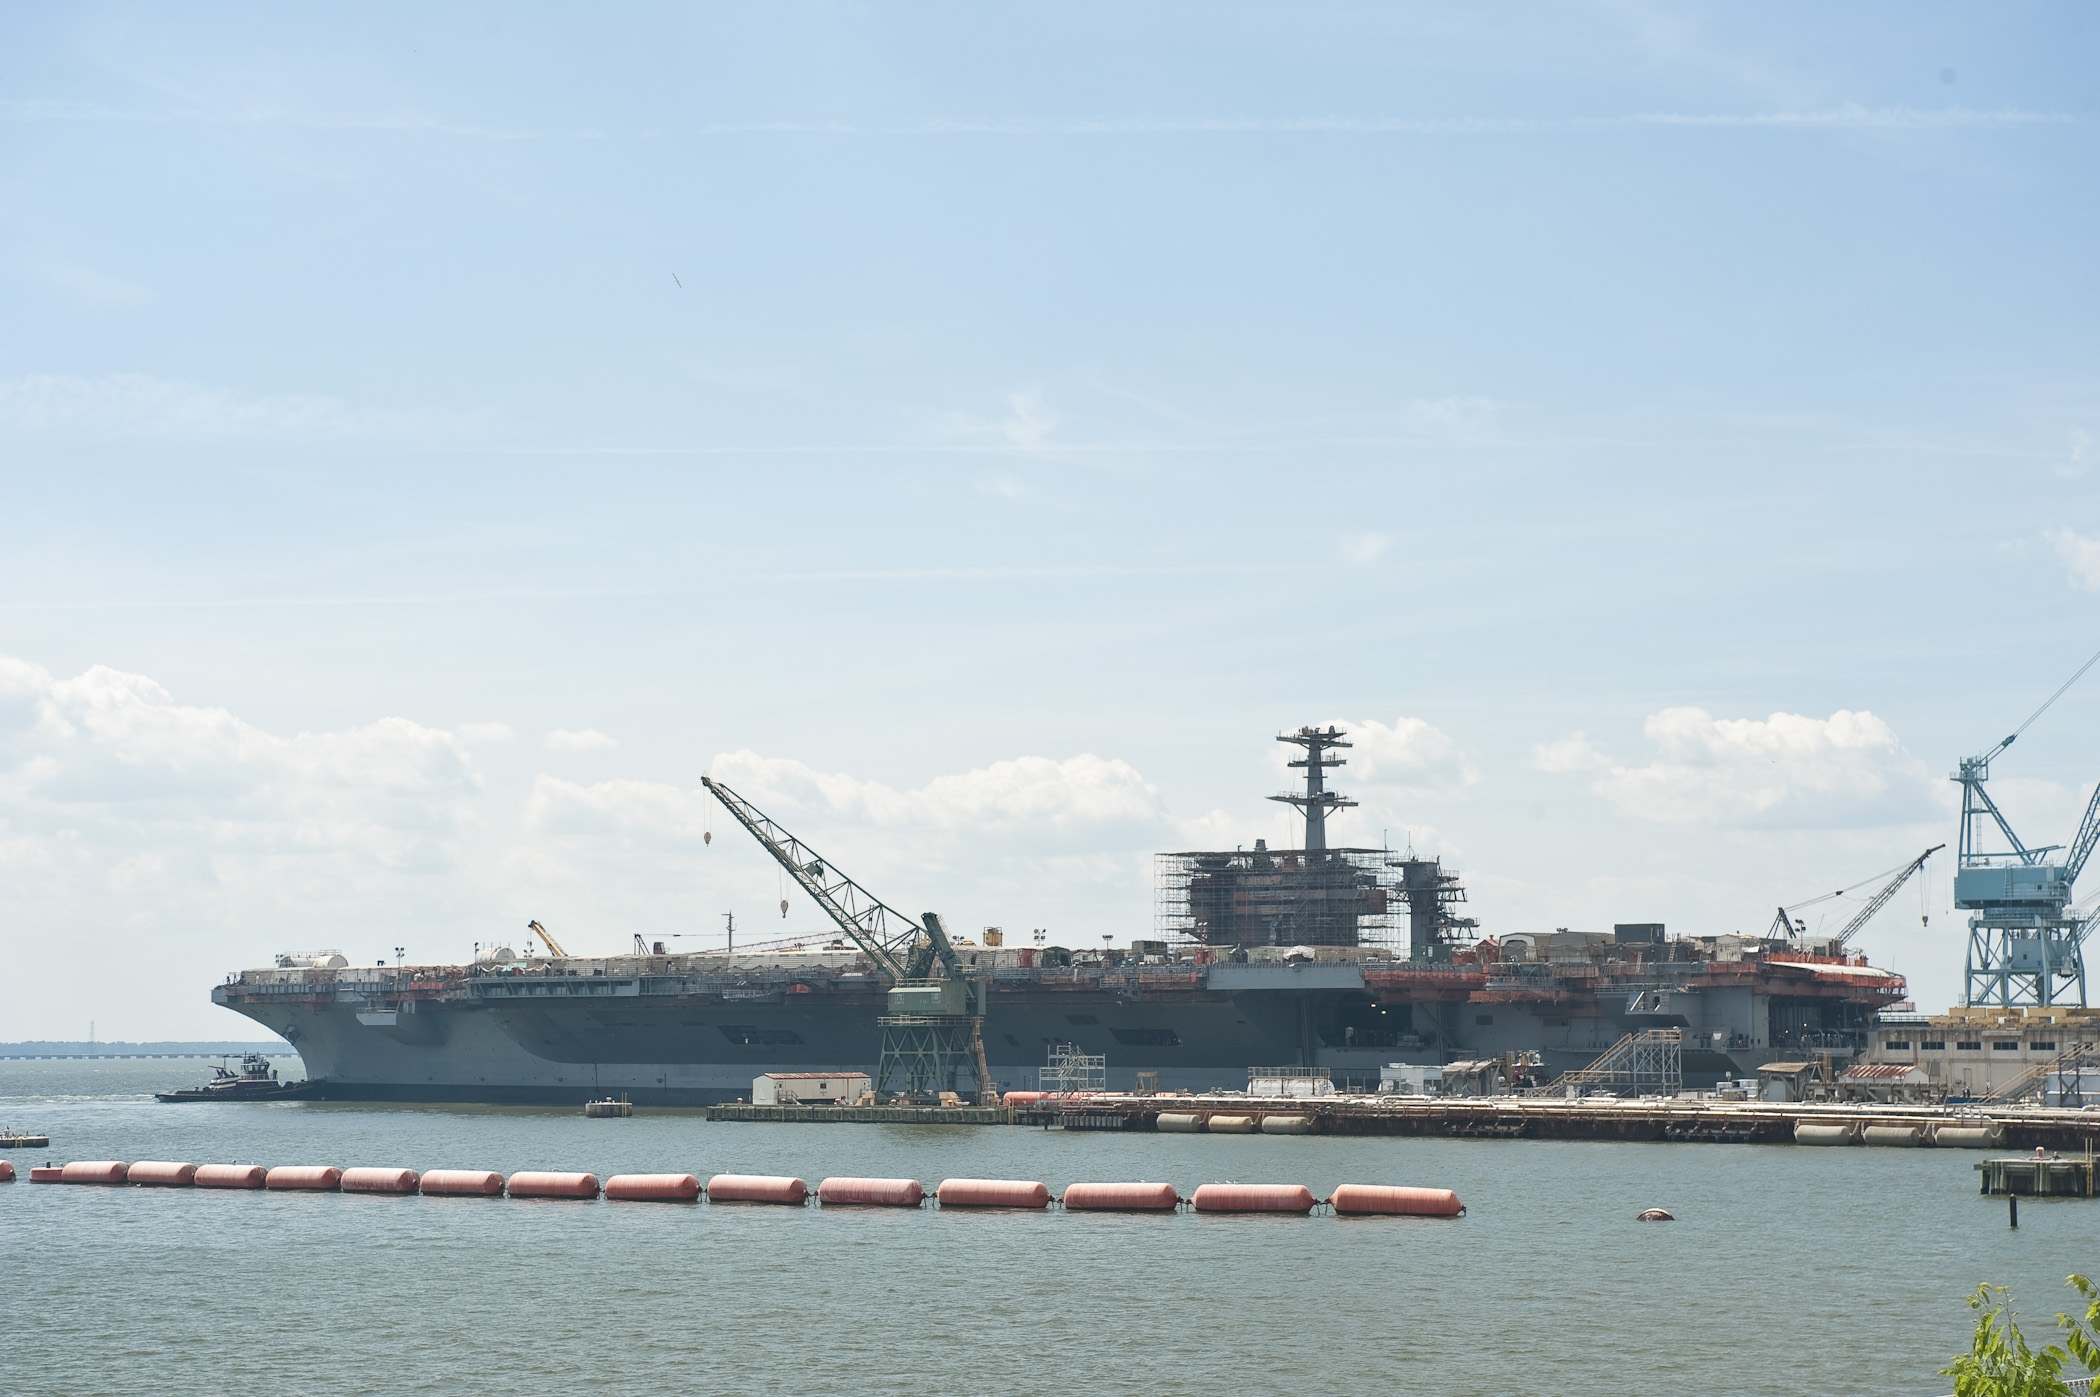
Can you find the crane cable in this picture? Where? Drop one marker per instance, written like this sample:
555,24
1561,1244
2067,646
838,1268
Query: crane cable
1881,877
2051,699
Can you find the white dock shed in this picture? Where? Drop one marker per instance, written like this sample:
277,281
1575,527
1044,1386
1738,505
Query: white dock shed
808,1088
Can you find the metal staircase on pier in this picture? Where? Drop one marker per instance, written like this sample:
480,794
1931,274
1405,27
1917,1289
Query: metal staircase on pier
2035,1080
1648,1062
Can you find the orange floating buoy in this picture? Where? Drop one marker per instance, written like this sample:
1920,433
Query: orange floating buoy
992,1193
307,1178
1121,1198
756,1188
475,1182
872,1193
228,1176
93,1171
1254,1198
652,1188
46,1174
534,1183
1656,1215
7,1171
1363,1199
161,1173
380,1180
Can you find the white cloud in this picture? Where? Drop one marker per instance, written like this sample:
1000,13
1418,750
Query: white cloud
1028,423
583,740
1362,550
625,807
113,745
1460,419
1028,840
136,405
1040,792
2080,555
1572,753
1786,771
2079,454
1408,755
166,841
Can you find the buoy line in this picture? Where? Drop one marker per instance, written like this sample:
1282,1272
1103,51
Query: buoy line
1347,1200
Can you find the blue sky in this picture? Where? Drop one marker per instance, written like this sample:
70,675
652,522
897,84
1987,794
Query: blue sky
429,441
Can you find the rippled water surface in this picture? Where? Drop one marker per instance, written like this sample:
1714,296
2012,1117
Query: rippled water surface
1793,1271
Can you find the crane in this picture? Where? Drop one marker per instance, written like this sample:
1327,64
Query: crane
2024,935
935,1021
553,946
1880,899
1786,925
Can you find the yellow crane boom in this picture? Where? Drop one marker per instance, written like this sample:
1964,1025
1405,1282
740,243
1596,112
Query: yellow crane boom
553,946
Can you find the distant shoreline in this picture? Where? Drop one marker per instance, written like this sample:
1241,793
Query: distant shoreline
60,1050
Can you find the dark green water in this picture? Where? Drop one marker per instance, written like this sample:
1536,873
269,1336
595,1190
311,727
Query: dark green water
1795,1271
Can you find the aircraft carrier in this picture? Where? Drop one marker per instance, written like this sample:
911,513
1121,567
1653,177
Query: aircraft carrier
1338,960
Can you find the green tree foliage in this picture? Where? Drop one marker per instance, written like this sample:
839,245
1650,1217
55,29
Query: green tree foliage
2082,1332
2001,1363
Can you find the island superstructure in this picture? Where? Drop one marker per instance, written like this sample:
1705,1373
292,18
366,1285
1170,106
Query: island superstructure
1341,960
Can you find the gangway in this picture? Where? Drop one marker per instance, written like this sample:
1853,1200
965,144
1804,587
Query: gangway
2078,1061
1649,1061
1071,1070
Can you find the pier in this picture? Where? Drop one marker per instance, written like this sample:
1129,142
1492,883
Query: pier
1663,1120
865,1115
2038,1178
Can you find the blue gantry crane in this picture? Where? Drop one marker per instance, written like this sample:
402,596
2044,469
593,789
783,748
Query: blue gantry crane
2026,941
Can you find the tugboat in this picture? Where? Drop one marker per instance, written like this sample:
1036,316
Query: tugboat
256,1081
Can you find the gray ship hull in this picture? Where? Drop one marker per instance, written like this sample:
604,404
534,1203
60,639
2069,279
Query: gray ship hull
691,1040
699,1053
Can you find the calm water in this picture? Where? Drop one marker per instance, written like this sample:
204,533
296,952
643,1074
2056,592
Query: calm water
1790,1271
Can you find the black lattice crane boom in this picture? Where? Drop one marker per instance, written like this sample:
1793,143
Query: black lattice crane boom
885,935
1785,924
1888,890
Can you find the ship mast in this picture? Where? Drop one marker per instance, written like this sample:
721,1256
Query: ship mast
1317,800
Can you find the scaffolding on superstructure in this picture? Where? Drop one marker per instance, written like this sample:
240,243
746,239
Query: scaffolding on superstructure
1315,895
1277,897
1312,897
